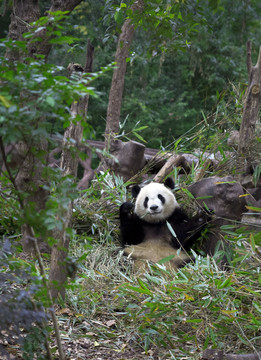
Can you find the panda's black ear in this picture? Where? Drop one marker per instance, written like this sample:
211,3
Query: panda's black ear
135,190
169,182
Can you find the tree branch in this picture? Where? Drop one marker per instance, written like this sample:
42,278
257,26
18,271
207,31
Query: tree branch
249,58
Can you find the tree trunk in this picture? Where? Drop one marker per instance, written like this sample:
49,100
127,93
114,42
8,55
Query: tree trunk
69,163
252,104
117,85
23,13
29,177
29,180
29,173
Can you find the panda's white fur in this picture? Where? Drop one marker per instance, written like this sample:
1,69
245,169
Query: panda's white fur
155,202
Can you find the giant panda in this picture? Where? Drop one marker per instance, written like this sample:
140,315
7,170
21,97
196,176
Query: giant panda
157,227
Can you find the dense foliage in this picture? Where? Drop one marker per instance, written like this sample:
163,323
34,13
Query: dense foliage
173,75
175,72
23,302
34,107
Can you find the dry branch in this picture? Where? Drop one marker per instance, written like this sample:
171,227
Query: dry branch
173,161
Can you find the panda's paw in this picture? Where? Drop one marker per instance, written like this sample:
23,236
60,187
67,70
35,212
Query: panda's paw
126,208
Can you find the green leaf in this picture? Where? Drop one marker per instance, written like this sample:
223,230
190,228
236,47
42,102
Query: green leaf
141,128
180,16
244,341
258,308
63,40
194,320
4,101
222,152
171,229
225,283
178,289
50,101
166,259
176,143
118,16
143,286
252,242
187,192
139,137
204,197
253,208
139,290
255,320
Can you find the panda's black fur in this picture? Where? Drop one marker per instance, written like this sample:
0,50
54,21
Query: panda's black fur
145,234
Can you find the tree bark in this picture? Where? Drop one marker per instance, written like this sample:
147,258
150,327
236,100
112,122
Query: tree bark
69,163
252,104
26,12
23,13
117,85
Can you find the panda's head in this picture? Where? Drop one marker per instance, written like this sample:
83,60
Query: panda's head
155,202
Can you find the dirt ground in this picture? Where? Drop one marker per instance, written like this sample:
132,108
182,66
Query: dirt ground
85,349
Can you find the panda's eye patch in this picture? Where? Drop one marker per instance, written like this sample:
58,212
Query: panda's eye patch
146,202
162,199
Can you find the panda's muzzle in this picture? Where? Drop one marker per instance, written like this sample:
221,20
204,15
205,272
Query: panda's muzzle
154,208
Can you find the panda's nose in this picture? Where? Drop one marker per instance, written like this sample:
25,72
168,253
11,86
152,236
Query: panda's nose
154,207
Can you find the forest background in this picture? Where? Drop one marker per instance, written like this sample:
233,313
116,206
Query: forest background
170,80
184,89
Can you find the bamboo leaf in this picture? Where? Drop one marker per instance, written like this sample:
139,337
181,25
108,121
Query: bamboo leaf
252,242
139,290
171,229
166,259
139,137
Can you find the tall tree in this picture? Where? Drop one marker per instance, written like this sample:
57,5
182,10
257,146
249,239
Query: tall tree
117,85
69,165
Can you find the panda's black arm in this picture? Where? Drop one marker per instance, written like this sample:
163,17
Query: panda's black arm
131,226
187,229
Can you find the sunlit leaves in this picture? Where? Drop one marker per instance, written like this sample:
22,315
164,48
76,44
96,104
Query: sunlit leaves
5,101
63,40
